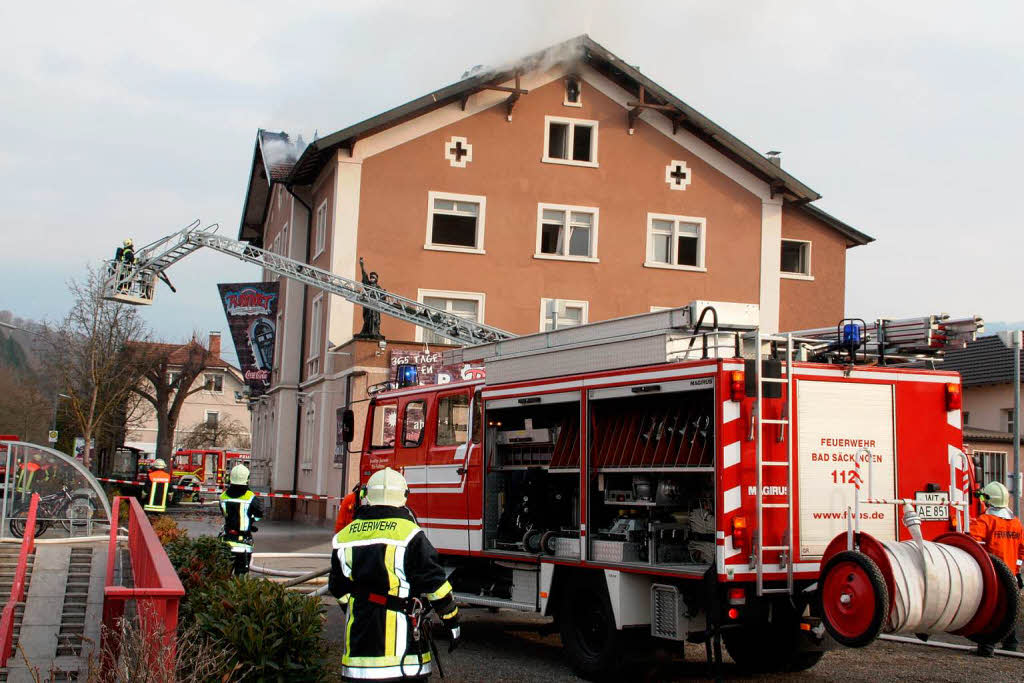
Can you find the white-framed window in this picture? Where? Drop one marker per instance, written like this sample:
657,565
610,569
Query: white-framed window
455,222
1008,417
573,91
172,377
557,314
280,195
320,231
966,416
567,232
212,418
675,242
214,381
992,466
315,336
310,443
795,259
468,305
570,141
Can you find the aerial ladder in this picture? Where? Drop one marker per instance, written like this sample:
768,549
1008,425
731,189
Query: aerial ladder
135,282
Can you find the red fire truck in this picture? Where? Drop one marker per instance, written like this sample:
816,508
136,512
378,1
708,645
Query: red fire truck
648,476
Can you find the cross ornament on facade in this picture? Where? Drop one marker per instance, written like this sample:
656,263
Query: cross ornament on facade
458,152
677,175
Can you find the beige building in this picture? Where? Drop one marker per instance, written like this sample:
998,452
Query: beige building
569,183
220,400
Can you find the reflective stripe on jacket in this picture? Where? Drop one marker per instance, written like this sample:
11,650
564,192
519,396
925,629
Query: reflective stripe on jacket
240,507
383,552
1002,537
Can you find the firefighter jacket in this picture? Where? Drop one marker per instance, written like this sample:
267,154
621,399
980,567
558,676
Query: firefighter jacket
380,561
159,485
1002,535
240,507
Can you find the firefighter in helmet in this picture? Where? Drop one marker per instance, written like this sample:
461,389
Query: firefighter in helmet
1002,535
126,252
159,485
241,508
381,566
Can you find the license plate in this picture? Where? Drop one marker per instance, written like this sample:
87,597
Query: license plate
929,507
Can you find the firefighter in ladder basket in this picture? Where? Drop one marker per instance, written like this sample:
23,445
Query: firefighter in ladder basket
381,564
1002,535
241,508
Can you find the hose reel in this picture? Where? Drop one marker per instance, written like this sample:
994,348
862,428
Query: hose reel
949,585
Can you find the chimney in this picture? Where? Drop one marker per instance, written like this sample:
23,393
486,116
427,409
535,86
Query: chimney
775,157
215,344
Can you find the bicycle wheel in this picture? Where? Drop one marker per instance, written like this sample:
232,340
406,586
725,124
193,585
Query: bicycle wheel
19,520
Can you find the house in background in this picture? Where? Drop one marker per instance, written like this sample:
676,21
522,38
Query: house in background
221,399
568,188
986,370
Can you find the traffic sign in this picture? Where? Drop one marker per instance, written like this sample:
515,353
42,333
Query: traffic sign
53,436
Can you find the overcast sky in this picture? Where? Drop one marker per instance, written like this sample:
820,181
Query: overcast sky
132,119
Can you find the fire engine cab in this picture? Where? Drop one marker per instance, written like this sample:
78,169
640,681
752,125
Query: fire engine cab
684,478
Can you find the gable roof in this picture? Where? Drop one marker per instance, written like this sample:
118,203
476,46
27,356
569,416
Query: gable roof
986,360
177,354
273,158
585,50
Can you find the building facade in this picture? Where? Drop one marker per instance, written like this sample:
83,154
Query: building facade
567,189
986,370
221,400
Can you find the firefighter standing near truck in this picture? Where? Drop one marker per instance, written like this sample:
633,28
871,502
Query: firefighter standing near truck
381,564
1003,537
159,485
241,509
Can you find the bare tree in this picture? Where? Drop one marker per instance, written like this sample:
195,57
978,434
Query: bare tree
169,374
227,433
84,355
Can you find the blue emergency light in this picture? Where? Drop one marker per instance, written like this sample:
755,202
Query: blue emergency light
852,334
407,375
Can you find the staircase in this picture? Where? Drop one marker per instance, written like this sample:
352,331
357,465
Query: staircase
8,566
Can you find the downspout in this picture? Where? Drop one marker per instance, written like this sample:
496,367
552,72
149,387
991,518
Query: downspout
302,340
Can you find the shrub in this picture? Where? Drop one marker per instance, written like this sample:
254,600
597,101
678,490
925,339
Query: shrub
167,529
274,634
202,563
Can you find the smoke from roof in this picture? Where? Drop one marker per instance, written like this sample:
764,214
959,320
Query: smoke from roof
279,149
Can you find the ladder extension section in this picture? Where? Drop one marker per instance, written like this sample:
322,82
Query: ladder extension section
922,335
136,283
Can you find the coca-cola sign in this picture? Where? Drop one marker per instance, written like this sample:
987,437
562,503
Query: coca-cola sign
251,309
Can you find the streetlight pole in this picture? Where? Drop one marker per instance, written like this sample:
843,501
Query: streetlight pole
1016,422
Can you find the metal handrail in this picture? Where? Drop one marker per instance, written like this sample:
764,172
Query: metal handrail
28,547
157,589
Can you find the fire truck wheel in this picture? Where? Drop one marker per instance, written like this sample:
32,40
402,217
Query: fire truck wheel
587,626
854,602
1005,618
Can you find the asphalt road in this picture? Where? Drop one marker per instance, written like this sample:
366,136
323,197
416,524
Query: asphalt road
515,646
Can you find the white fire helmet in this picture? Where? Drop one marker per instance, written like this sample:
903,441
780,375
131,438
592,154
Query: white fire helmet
128,242
159,464
387,487
239,474
996,494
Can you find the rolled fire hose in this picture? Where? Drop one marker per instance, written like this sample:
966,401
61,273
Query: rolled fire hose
937,588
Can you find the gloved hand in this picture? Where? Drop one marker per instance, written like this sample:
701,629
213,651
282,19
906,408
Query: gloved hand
1020,581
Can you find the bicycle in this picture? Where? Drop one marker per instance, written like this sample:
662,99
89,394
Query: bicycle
55,507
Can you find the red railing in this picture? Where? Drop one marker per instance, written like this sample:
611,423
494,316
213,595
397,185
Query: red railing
28,546
156,590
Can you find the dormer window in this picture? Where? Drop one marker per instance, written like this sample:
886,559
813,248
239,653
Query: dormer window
573,92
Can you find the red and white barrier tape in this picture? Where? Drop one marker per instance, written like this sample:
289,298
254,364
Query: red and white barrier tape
212,489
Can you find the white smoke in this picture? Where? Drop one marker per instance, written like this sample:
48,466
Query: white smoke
281,150
566,52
